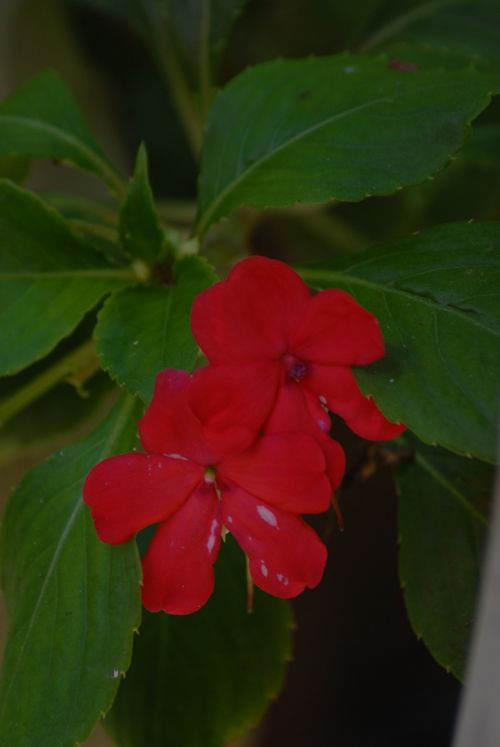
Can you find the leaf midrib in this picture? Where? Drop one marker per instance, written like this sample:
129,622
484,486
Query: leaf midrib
127,407
345,278
452,490
303,134
102,167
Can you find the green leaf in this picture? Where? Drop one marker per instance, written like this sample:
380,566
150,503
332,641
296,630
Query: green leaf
144,330
49,278
73,602
214,672
343,127
41,119
443,500
437,298
200,29
141,233
469,28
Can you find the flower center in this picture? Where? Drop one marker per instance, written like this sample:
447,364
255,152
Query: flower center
209,475
295,368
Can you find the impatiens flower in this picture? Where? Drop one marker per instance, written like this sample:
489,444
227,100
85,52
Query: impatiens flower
281,356
186,486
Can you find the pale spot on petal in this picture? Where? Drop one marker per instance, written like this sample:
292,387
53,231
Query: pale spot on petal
177,456
212,536
267,515
263,569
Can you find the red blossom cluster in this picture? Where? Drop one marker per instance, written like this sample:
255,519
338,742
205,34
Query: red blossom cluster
242,444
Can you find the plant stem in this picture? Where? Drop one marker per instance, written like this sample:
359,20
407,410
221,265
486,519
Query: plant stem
82,362
204,62
170,66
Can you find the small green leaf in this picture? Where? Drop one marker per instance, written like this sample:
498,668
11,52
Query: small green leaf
142,330
141,233
73,601
443,503
214,672
41,119
437,298
49,278
343,127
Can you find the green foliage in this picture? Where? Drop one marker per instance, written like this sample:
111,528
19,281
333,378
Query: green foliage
46,272
41,119
437,298
141,233
343,127
199,30
143,330
469,29
442,518
72,601
215,671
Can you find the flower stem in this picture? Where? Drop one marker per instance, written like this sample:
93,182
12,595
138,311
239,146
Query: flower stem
78,366
170,67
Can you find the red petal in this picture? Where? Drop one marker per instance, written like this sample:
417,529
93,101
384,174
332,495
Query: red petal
344,397
233,402
337,331
335,460
169,426
287,470
297,409
127,493
177,568
285,554
252,314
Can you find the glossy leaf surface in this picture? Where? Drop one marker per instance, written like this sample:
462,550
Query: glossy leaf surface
437,298
143,330
42,119
343,127
72,601
49,278
443,507
224,662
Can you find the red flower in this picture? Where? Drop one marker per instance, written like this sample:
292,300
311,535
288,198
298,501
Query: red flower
280,356
186,485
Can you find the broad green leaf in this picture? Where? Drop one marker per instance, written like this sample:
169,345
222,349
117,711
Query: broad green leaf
214,672
343,127
437,298
73,602
143,330
141,233
443,503
200,29
41,119
49,278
